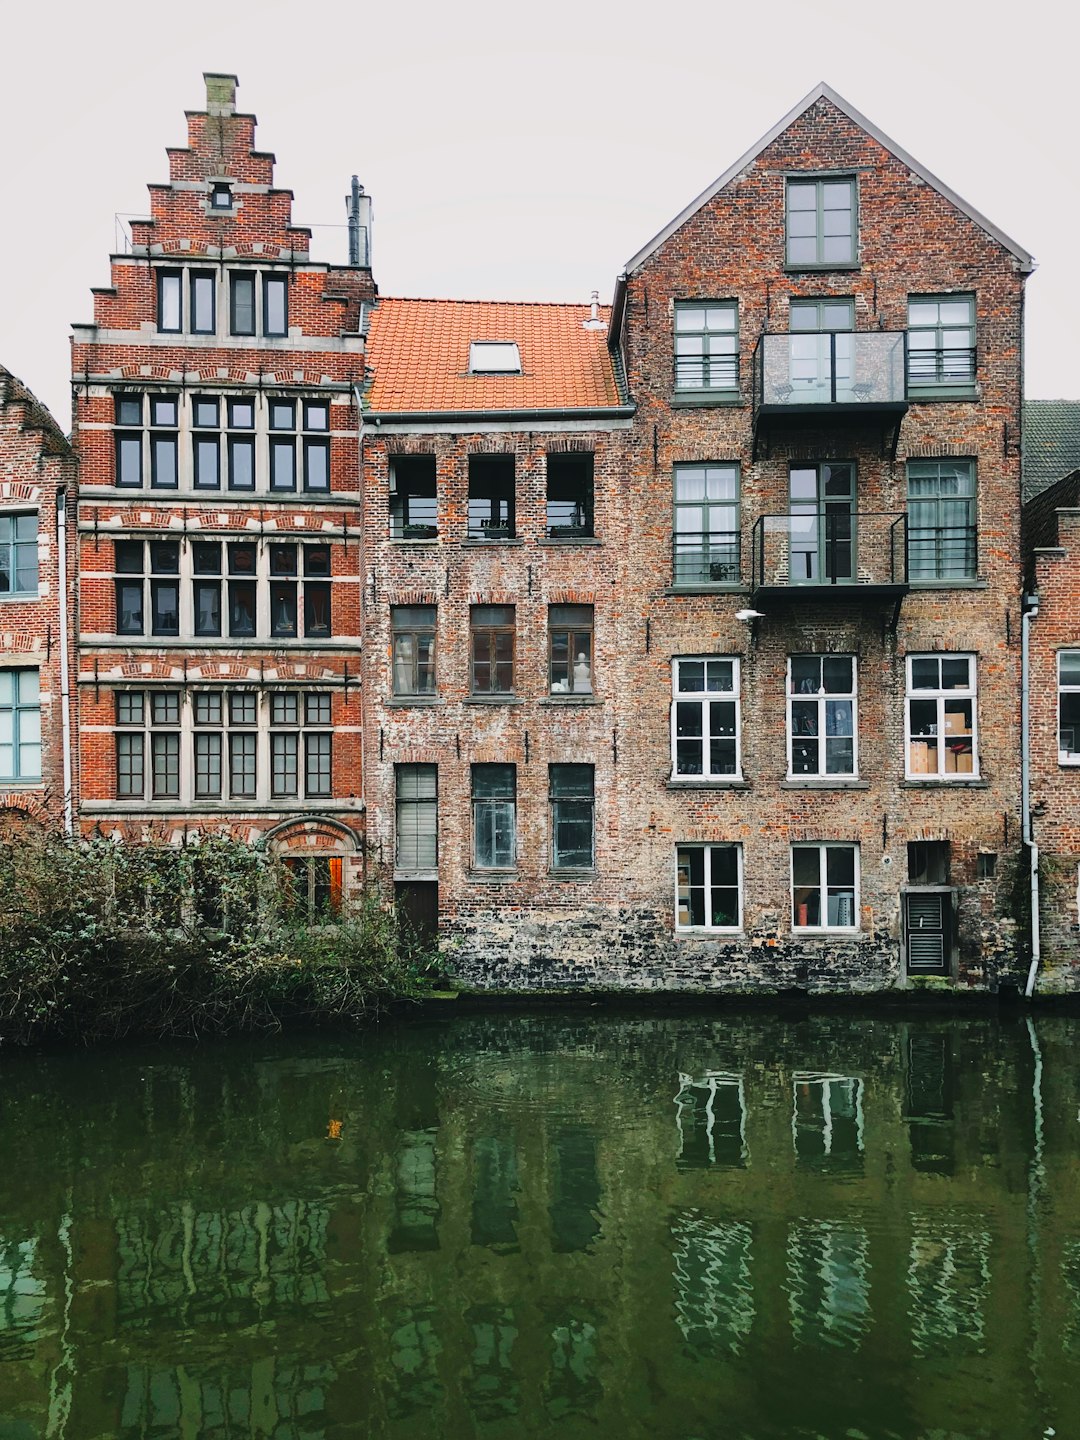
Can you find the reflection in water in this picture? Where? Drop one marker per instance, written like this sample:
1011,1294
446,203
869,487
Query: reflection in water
510,1229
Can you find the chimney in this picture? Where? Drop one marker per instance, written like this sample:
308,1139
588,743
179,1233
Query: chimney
220,94
594,322
358,209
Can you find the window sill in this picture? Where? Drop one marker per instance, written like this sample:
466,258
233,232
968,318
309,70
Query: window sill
943,782
976,584
824,782
401,540
706,932
493,700
706,399
416,875
19,597
562,540
558,700
491,877
825,932
822,268
413,702
587,874
471,540
933,396
710,782
7,784
719,587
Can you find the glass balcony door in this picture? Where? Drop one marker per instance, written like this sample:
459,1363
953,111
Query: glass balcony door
822,349
822,509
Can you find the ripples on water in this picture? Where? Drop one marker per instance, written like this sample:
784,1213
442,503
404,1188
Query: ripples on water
687,1227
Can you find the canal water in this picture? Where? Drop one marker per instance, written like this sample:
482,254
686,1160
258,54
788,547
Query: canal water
577,1223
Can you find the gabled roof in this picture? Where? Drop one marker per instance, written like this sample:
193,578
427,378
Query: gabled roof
826,92
1051,443
418,351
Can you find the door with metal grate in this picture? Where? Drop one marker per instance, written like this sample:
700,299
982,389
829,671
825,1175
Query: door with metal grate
927,914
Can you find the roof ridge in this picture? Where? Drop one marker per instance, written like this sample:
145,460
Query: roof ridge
453,300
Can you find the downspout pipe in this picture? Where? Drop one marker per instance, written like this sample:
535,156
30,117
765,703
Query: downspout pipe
1029,612
65,686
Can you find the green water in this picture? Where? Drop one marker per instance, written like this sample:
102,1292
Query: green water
569,1224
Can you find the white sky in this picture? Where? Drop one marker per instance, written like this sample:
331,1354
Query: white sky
517,152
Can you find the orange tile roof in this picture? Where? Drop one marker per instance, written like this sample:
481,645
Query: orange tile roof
419,352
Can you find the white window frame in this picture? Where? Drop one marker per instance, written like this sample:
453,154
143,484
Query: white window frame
1065,756
941,696
823,847
822,699
705,697
708,846
494,357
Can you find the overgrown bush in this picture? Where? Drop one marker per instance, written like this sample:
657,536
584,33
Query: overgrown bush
102,939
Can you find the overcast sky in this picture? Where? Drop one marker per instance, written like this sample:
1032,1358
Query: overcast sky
516,152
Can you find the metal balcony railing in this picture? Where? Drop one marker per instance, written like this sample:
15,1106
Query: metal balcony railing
836,550
699,559
943,552
706,372
843,370
940,367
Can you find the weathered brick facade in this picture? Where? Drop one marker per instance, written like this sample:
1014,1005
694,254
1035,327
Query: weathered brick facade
37,495
216,421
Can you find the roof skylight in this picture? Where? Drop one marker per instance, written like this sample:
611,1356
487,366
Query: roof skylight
494,357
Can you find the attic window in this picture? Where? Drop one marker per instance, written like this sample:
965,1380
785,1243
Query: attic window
494,357
220,197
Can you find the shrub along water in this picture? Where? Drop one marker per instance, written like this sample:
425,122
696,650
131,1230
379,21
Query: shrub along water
101,939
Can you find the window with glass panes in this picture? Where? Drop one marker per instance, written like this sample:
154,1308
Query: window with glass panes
825,886
299,445
707,345
494,801
706,524
704,717
206,586
242,561
571,795
1069,707
940,715
295,742
146,439
20,725
941,343
416,847
942,534
491,644
413,664
708,887
821,224
18,554
315,886
822,715
569,512
570,649
147,584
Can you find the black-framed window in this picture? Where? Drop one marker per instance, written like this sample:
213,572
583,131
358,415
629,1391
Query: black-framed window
203,293
19,554
708,887
707,345
164,441
242,303
243,590
416,838
821,221
570,489
170,301
128,442
275,299
206,586
221,196
414,512
941,344
942,534
491,513
494,802
822,715
570,649
571,791
491,645
413,638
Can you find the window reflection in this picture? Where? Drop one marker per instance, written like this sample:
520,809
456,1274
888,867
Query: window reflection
827,1120
710,1113
828,1282
573,1387
494,1207
22,1293
574,1220
948,1285
416,1220
493,1388
274,1396
929,1101
714,1299
414,1352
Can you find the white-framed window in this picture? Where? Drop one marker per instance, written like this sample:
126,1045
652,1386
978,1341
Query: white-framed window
824,886
1069,707
708,887
18,555
940,717
822,715
705,738
20,725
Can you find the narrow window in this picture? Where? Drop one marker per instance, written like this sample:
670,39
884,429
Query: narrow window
208,712
128,444
417,817
282,446
821,229
707,345
942,538
941,345
821,715
570,649
413,665
20,725
164,420
823,524
491,636
165,745
241,303
705,718
170,301
129,563
708,893
572,816
706,539
243,744
316,464
824,887
206,593
494,789
317,765
164,593
275,305
1069,707
18,555
283,615
130,744
569,497
203,285
413,501
491,497
242,591
941,717
284,744
206,443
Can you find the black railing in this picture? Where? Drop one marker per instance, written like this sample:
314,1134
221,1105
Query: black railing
940,368
706,372
943,552
699,559
807,369
832,548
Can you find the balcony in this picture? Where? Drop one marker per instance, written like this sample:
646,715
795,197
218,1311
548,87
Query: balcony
830,374
700,560
835,553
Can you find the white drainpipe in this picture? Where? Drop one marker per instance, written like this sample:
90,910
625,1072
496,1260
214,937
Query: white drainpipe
65,689
1030,610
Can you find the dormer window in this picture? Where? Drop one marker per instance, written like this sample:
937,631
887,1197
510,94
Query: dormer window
494,357
221,196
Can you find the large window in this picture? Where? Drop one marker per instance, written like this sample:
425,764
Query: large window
494,801
822,507
1069,707
147,587
314,891
299,445
188,300
822,727
705,718
707,345
571,790
706,524
708,887
821,222
225,744
301,744
491,644
569,496
20,725
148,744
941,740
941,520
18,555
414,507
941,345
417,815
570,649
413,628
491,497
825,887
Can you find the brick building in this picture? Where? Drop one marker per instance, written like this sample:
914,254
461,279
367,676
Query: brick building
37,493
216,420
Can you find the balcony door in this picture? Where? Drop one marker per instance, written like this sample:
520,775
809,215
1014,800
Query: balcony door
822,513
821,351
